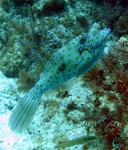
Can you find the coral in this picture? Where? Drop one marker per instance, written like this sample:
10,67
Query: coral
30,46
26,79
11,62
22,2
110,107
25,47
34,39
83,21
121,24
112,13
52,7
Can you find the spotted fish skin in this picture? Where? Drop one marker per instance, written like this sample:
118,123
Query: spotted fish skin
73,59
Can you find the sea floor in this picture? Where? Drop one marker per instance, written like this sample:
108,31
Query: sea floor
50,125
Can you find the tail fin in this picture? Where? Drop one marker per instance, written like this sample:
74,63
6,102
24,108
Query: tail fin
25,110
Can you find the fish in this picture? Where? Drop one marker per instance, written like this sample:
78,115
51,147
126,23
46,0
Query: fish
73,59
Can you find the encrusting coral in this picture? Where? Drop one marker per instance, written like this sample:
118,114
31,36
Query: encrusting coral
110,105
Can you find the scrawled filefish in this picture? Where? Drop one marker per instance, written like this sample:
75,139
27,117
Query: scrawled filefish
75,58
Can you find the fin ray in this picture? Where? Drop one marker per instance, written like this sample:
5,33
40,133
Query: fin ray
25,110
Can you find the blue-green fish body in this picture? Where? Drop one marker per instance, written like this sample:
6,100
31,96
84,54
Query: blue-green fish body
75,58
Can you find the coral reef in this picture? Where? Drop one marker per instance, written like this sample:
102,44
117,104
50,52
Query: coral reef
114,14
36,36
111,97
93,105
52,7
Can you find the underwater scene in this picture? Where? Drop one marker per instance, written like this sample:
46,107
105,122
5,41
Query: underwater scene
63,75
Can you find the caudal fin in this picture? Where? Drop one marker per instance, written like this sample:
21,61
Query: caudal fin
24,112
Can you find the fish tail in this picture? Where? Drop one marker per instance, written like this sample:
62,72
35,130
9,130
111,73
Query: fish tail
24,112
